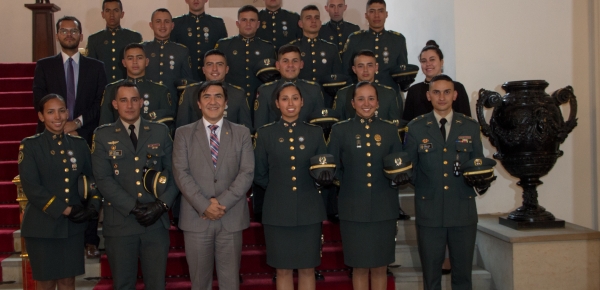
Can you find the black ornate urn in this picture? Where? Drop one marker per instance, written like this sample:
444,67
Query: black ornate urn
527,128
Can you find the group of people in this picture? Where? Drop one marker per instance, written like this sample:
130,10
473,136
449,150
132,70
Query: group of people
195,83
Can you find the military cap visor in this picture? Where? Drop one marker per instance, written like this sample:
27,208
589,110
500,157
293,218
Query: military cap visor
478,167
320,163
266,71
86,186
155,182
324,116
396,163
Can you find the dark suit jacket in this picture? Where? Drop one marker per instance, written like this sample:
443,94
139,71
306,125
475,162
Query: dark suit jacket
49,78
198,180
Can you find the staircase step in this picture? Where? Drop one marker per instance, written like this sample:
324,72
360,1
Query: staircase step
16,99
412,279
9,216
16,132
8,170
17,69
7,240
11,271
8,192
18,115
16,84
9,151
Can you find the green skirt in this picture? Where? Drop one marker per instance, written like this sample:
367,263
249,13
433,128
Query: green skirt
368,244
296,247
53,259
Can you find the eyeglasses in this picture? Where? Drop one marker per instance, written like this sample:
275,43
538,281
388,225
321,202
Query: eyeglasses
65,31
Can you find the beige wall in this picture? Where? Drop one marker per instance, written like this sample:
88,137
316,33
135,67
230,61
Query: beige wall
491,41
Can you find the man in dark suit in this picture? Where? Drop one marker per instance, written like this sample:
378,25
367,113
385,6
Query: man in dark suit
80,80
213,165
446,213
136,222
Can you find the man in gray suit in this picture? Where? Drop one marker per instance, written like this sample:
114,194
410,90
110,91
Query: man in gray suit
213,166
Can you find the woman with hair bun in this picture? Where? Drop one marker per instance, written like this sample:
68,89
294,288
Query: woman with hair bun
432,64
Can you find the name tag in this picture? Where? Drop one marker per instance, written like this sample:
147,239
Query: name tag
114,153
426,146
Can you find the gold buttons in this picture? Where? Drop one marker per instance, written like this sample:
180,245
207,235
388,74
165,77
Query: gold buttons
66,180
445,162
293,178
136,158
114,68
291,139
64,160
138,183
62,151
445,174
293,158
313,53
109,203
59,142
445,149
66,169
294,188
426,150
446,187
369,184
113,59
160,64
368,144
160,73
314,61
139,194
67,200
113,50
137,170
291,147
367,127
293,167
368,154
113,41
66,190
314,70
368,135
368,164
376,47
369,174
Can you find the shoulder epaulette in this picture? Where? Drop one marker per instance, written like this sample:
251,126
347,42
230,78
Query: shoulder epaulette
32,137
325,41
313,125
308,82
180,44
265,41
358,32
114,83
227,38
388,121
467,117
342,122
346,87
75,136
268,84
103,126
394,32
234,86
416,119
155,83
294,41
97,32
387,87
265,125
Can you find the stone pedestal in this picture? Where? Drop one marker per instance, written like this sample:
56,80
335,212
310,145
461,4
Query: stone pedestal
567,258
43,44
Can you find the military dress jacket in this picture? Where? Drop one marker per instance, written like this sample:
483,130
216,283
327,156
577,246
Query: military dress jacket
389,48
442,199
119,171
278,27
358,146
243,54
108,46
156,99
236,111
169,65
265,110
282,159
390,103
321,59
49,168
337,32
199,33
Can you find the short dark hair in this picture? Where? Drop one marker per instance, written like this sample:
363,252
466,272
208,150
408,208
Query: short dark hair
132,46
205,85
125,84
277,92
215,52
247,8
432,45
118,1
160,10
309,8
47,98
286,49
370,2
364,52
364,84
441,77
71,18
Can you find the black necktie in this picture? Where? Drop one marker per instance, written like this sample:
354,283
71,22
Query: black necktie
70,89
443,128
132,136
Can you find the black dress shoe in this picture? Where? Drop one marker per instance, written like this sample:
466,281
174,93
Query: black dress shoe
446,271
319,276
334,218
403,216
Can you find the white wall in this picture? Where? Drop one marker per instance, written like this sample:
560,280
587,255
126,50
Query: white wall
490,41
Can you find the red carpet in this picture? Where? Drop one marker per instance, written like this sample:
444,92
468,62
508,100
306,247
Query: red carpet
17,121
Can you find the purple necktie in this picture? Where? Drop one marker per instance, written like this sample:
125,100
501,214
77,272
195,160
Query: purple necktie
214,143
70,89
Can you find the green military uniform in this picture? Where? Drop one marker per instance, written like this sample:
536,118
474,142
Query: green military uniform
237,110
107,46
199,33
119,170
169,65
368,205
49,168
321,59
390,103
156,98
445,204
389,48
266,112
278,27
293,209
242,55
337,32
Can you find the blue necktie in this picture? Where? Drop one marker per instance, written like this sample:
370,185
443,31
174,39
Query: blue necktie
214,143
70,89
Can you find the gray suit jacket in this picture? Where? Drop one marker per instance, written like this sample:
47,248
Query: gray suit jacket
199,180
